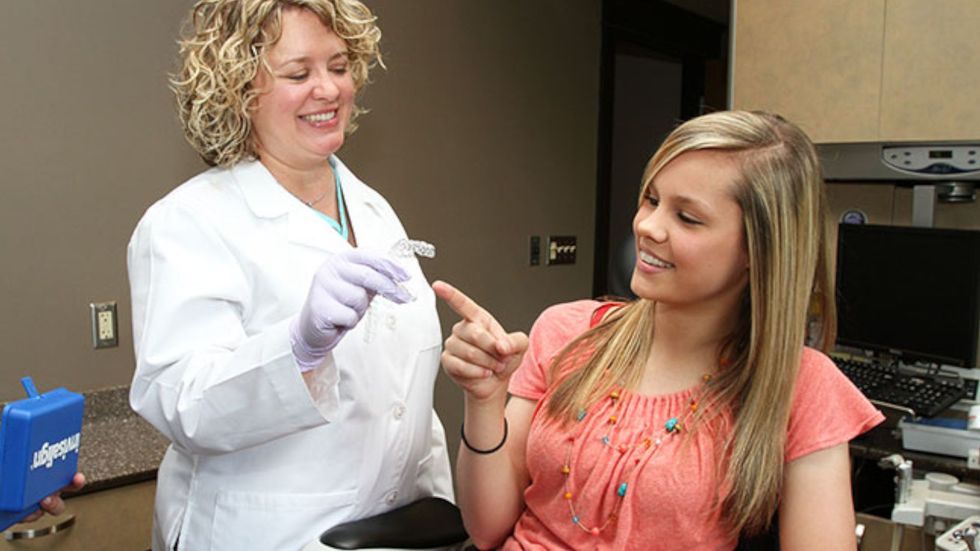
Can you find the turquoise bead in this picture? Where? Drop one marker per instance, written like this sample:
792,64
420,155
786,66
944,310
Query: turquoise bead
622,489
581,415
671,424
575,520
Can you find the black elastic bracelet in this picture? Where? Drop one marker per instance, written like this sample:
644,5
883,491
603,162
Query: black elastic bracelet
462,433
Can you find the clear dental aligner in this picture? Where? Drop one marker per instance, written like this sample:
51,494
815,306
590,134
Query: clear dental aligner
405,248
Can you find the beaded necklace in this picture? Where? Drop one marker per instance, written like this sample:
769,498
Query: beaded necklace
648,448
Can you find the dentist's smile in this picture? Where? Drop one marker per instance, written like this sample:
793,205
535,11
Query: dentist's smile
317,119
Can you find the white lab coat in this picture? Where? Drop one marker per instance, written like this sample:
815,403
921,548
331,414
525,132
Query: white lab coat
260,459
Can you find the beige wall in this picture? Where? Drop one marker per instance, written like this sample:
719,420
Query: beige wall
482,132
87,141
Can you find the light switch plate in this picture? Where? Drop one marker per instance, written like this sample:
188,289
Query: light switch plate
561,249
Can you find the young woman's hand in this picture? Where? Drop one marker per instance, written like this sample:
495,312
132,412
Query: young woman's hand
479,355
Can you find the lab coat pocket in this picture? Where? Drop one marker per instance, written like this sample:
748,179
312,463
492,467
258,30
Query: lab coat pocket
274,521
424,478
429,360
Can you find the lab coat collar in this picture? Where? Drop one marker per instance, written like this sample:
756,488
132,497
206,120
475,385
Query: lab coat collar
266,198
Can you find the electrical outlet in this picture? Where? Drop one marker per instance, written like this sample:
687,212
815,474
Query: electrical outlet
104,326
561,249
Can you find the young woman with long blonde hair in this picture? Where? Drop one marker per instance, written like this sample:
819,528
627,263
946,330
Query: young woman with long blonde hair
687,418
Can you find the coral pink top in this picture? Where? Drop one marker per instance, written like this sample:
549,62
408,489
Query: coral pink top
671,487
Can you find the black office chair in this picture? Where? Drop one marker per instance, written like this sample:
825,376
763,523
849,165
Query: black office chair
429,523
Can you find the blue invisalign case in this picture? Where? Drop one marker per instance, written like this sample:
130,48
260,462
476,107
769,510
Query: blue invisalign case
39,442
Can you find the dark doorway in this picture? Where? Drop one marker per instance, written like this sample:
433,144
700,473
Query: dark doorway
661,64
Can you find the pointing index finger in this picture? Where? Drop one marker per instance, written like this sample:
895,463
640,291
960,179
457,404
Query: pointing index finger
467,308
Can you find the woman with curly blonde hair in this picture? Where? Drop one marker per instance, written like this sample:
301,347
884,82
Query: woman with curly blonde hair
294,396
687,418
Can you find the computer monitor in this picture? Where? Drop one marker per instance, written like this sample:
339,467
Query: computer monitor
908,291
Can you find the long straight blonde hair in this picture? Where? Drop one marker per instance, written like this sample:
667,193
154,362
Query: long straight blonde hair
781,194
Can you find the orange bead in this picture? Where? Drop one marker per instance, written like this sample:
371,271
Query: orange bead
613,419
614,395
568,495
565,469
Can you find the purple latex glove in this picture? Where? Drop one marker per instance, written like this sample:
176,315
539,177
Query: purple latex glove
342,289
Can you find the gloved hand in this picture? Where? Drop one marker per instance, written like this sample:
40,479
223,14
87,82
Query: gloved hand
342,289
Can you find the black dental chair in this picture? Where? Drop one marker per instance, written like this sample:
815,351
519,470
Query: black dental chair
434,523
430,523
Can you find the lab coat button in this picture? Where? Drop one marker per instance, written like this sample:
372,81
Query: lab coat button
391,321
391,497
398,411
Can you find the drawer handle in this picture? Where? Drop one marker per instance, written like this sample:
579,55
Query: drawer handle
40,532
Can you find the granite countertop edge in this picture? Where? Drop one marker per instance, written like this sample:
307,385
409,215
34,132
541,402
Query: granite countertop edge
118,446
